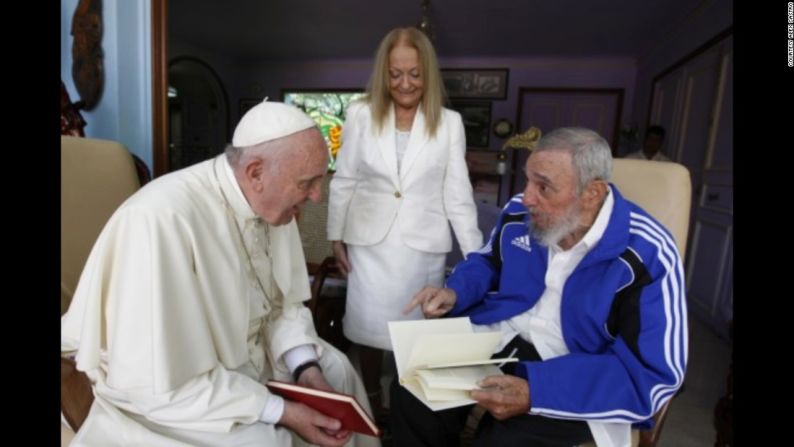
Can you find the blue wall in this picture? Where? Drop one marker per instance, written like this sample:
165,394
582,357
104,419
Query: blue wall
124,112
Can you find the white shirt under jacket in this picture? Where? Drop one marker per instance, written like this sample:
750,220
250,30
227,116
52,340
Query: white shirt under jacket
430,191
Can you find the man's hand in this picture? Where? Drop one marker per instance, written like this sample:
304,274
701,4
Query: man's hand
504,396
313,377
435,302
313,426
340,252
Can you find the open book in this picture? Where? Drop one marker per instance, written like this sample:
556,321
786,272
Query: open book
440,360
336,405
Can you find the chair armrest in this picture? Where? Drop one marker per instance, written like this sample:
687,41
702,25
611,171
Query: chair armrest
649,438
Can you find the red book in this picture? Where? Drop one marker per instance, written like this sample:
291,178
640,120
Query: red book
336,405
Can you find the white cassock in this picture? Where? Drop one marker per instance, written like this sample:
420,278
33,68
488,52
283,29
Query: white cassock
184,309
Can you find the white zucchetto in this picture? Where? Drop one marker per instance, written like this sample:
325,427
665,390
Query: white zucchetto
269,121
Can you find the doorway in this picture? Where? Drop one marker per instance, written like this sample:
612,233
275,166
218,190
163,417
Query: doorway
198,112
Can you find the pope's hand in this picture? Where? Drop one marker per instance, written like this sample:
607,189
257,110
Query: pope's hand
313,378
313,426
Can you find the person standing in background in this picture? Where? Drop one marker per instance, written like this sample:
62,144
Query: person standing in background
401,180
651,146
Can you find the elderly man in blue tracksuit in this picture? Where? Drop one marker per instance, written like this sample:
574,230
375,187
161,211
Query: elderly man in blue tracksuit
588,290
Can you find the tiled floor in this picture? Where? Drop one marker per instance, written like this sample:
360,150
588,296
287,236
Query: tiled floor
689,419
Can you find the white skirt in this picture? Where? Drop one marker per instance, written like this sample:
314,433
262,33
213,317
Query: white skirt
384,278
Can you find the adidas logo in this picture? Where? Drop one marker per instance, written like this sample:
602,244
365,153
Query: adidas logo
522,242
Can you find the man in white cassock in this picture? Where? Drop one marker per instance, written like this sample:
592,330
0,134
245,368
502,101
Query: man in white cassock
192,298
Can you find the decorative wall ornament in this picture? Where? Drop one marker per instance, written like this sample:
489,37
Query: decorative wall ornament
526,140
72,123
87,71
503,128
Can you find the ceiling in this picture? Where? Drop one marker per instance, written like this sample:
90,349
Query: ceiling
260,30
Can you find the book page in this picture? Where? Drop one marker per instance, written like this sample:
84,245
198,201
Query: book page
404,334
441,341
498,362
440,394
471,348
416,390
462,378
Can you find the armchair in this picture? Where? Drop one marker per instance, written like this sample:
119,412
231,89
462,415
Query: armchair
96,177
664,190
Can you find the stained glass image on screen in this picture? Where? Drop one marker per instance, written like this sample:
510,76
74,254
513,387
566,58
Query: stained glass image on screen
328,109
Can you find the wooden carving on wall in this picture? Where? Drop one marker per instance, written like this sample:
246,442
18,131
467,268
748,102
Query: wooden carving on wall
87,69
72,123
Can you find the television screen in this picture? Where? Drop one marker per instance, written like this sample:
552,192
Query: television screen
328,109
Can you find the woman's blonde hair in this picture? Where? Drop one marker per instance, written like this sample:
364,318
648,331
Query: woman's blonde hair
378,88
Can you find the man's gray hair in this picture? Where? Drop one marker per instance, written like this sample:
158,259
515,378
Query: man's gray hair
233,154
270,149
590,153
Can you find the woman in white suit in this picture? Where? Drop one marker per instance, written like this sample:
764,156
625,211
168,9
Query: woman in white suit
401,180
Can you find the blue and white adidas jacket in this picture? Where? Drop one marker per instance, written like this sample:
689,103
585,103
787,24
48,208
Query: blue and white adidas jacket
623,314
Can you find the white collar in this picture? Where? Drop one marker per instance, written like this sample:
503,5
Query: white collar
238,202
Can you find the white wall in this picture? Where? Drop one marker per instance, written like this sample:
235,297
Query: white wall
124,111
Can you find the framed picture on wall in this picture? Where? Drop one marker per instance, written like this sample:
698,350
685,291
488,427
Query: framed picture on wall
328,108
475,83
476,120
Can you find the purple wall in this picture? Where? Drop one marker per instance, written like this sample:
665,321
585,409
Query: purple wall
256,80
272,78
603,72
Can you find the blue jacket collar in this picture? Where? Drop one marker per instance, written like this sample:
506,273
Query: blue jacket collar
616,237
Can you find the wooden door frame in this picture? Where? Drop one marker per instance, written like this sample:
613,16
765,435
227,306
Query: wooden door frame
160,86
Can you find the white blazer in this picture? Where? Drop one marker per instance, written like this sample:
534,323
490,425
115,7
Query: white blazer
368,195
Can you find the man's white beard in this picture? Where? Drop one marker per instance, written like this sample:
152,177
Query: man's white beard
567,224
